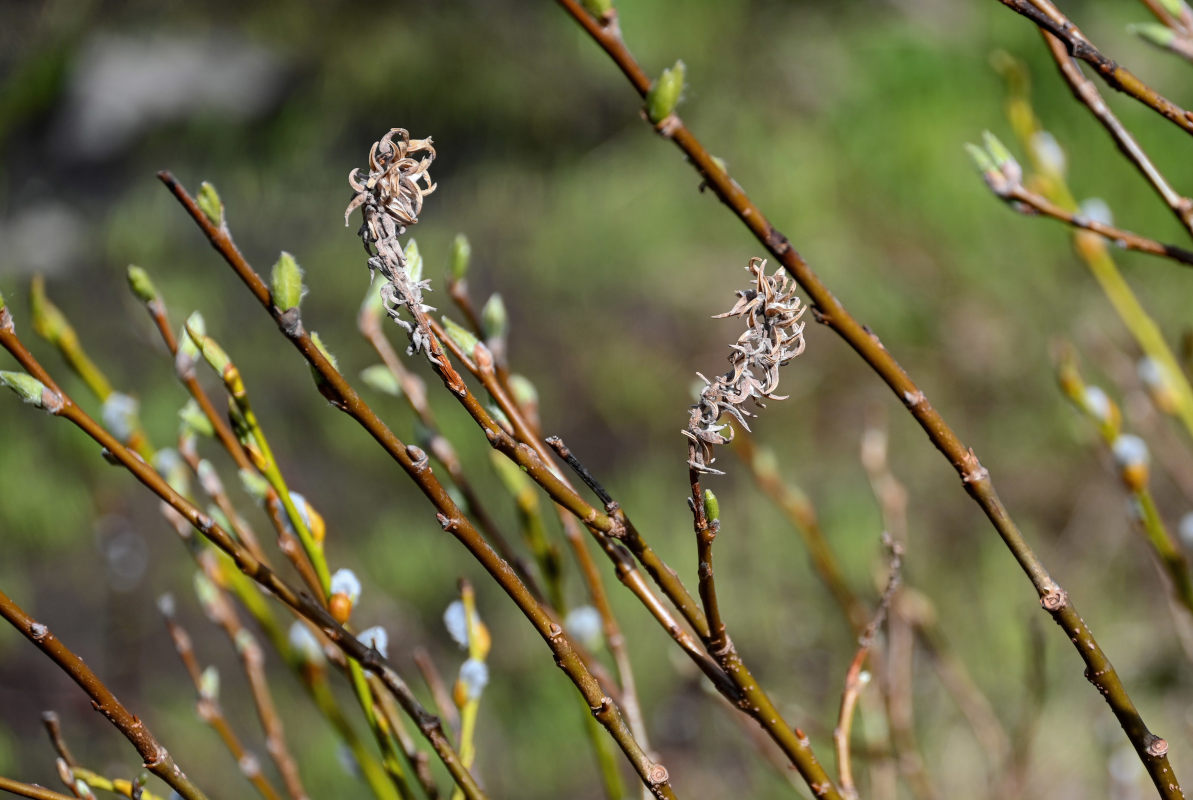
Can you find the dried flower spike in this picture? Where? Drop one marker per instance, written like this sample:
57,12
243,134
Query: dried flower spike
395,177
773,336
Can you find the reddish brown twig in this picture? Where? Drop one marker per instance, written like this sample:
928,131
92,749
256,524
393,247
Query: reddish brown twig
1048,18
155,757
31,790
855,679
976,480
1086,93
304,604
452,519
1030,201
209,708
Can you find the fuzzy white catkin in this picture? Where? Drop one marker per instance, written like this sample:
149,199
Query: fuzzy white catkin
1129,450
474,674
1095,209
1097,402
455,619
1048,151
376,638
304,643
120,415
585,625
344,581
1186,530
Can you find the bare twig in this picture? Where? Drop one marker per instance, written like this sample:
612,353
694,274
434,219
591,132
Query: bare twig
1048,18
453,520
1152,750
31,790
156,758
855,679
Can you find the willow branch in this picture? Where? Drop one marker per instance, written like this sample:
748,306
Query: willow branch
1030,201
31,790
210,710
304,604
1152,749
855,679
155,757
450,517
1086,92
1049,19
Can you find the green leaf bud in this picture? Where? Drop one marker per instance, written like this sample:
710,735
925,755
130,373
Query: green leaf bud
380,378
209,683
461,256
210,204
981,159
194,420
414,261
323,349
255,486
712,509
140,283
30,390
665,92
494,318
461,336
285,282
1176,8
1153,33
208,594
598,8
525,395
213,354
372,307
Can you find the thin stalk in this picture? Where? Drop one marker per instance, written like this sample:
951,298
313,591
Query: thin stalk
1124,240
451,518
211,712
855,679
369,659
31,790
1151,749
1093,249
156,758
1117,77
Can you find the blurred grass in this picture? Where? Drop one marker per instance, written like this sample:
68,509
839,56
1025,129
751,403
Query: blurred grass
844,121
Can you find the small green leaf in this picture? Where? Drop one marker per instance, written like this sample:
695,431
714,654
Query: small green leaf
1154,33
194,420
26,387
140,283
323,349
209,683
461,256
712,509
414,261
494,318
213,354
981,159
254,484
210,204
461,336
525,395
380,378
598,8
665,93
286,282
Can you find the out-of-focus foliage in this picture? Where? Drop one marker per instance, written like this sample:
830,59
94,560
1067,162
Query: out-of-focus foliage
845,122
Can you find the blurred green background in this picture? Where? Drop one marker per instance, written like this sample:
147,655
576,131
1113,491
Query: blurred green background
845,122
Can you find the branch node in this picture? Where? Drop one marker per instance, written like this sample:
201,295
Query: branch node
1054,600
